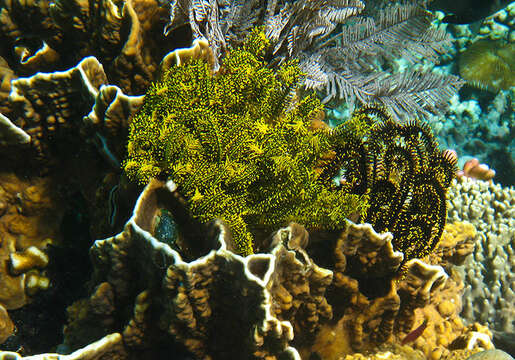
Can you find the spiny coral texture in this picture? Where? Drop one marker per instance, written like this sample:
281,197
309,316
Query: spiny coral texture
237,147
489,273
338,48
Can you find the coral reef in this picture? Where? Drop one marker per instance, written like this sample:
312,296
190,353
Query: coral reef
404,174
109,347
59,122
473,169
445,330
491,355
49,107
488,274
30,216
479,123
489,64
500,26
125,36
339,45
190,296
230,150
187,275
10,134
167,280
6,75
298,285
488,134
220,165
457,242
6,325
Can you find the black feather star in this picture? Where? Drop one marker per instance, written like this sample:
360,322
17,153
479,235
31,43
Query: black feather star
402,171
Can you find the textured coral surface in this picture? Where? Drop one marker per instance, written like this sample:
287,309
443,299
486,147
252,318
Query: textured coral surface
175,281
489,273
167,279
30,216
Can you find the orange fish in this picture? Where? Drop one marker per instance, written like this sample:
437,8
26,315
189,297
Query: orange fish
412,336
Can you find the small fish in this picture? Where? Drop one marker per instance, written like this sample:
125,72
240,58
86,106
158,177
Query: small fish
412,336
467,11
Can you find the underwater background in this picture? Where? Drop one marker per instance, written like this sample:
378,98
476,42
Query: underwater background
257,179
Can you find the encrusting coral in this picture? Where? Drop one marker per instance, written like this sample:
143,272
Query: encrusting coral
6,325
30,216
242,145
457,242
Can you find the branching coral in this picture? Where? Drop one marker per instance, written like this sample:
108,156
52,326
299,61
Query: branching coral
238,147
